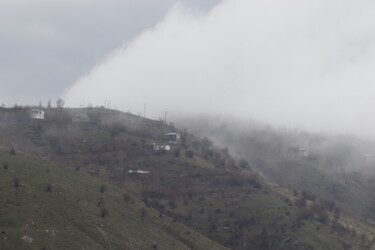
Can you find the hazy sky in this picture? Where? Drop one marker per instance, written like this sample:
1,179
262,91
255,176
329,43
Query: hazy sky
46,45
299,63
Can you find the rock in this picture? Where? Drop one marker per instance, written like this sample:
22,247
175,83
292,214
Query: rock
27,239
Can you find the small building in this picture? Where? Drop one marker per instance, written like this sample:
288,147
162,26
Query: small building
161,147
80,118
138,172
302,153
37,114
173,138
368,158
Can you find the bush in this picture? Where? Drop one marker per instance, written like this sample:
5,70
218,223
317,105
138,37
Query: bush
328,204
295,193
244,164
189,153
235,181
154,245
321,212
12,151
103,188
104,212
126,198
305,213
16,183
143,213
301,202
177,152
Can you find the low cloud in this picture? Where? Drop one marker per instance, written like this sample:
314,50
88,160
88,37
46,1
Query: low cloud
296,63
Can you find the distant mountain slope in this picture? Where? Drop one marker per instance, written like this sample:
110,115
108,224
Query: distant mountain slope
196,183
340,168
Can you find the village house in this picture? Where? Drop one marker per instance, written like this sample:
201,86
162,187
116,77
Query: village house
162,147
139,172
173,138
302,153
37,114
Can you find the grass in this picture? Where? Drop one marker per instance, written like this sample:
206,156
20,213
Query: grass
69,217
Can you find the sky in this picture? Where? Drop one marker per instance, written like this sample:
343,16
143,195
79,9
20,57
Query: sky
45,46
297,63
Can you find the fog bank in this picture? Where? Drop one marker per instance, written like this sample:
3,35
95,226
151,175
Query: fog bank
295,63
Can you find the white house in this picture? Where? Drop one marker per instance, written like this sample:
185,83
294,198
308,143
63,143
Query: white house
172,138
138,172
37,114
302,152
160,147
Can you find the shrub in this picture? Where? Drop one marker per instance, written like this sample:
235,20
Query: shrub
126,198
154,245
143,213
16,183
172,204
103,188
320,211
235,181
301,202
295,193
305,214
100,202
104,212
12,151
189,153
328,204
177,152
244,164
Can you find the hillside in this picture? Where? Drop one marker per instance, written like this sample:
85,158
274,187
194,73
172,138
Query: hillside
50,206
339,168
196,183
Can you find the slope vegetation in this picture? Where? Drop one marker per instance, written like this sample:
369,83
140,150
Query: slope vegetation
50,206
195,183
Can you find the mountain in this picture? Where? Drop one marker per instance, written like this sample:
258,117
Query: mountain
102,160
340,168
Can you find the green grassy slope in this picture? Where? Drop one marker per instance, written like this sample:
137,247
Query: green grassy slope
56,207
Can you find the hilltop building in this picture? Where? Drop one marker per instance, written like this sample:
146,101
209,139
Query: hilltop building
161,147
172,138
302,153
139,172
37,114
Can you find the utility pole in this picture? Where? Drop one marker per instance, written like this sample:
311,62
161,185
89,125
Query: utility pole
165,117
